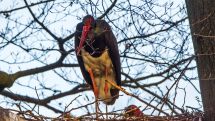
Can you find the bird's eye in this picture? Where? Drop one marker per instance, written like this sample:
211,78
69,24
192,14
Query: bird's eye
91,24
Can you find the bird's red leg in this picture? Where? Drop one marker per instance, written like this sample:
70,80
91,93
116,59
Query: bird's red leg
106,89
95,90
106,84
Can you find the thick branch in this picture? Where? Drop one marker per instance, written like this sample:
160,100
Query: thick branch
44,102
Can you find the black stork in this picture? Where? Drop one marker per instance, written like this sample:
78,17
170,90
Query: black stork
98,57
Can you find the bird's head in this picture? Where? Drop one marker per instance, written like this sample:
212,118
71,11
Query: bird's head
87,31
133,110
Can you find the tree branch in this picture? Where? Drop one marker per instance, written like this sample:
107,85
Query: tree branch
31,5
108,10
40,23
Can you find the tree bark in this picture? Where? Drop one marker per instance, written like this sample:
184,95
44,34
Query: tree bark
201,14
6,115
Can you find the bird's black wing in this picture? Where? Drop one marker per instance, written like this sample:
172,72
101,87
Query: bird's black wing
79,58
111,43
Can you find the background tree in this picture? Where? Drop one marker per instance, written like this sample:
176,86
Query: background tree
37,52
201,17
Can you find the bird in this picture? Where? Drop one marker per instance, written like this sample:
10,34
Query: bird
98,57
133,110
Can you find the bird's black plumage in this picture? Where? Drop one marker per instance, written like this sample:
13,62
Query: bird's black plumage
103,39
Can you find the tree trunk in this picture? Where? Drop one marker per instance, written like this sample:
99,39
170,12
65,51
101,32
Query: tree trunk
6,115
201,15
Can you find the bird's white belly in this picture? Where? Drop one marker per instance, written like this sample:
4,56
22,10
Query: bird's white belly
102,69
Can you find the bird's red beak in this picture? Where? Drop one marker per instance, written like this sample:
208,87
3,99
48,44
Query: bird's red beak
85,31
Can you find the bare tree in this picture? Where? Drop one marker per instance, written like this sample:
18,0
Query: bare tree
37,55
